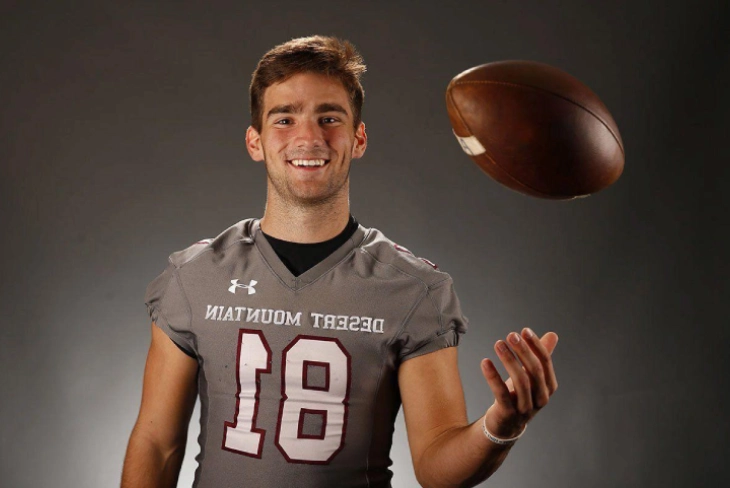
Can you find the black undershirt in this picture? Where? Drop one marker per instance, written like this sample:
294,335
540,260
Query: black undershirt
300,257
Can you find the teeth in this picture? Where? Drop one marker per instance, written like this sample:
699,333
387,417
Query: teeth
308,162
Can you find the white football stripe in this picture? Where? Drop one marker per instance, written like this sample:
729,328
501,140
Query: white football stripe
470,145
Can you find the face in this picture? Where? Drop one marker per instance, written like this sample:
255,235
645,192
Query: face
307,139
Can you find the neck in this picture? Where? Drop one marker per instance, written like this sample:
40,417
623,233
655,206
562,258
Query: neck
305,223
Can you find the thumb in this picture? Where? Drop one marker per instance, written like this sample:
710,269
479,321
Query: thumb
549,340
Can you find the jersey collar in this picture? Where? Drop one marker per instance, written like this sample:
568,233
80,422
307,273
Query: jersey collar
313,274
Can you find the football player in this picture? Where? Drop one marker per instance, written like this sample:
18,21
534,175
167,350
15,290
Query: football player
302,332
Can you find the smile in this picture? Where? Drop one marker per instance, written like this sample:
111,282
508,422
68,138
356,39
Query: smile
308,163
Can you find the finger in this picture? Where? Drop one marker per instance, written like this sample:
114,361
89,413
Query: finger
520,380
497,385
534,368
549,340
509,384
543,349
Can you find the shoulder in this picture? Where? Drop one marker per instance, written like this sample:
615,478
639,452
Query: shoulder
215,246
389,253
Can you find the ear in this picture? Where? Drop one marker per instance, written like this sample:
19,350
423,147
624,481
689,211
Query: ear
361,142
253,144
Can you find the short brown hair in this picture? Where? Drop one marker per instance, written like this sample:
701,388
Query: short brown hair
316,54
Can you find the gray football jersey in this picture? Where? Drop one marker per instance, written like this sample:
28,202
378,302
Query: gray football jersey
298,375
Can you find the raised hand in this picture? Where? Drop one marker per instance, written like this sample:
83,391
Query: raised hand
530,384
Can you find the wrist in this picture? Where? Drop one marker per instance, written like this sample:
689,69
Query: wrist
502,437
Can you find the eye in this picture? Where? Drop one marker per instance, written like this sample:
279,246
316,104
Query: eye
329,120
282,122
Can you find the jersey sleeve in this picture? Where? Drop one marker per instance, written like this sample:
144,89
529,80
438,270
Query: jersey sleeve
169,309
436,322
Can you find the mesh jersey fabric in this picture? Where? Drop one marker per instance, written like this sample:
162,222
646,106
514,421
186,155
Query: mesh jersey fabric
298,374
298,258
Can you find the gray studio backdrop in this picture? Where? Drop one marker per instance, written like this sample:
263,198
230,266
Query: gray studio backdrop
123,140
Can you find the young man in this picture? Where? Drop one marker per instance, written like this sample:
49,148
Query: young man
303,331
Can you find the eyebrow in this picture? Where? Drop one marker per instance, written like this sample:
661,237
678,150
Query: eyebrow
297,108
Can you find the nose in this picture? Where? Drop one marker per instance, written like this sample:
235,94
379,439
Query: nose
309,135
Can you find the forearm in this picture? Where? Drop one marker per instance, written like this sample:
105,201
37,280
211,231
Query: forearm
461,457
146,465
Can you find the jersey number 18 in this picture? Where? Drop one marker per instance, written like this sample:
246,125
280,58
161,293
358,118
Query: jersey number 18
298,398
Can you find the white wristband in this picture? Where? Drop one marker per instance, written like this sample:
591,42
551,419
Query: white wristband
497,440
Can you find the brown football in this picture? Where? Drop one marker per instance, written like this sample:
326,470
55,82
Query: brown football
535,129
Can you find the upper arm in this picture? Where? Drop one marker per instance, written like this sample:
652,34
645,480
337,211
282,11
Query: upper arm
168,393
433,398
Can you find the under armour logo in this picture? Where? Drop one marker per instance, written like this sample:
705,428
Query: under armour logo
249,287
